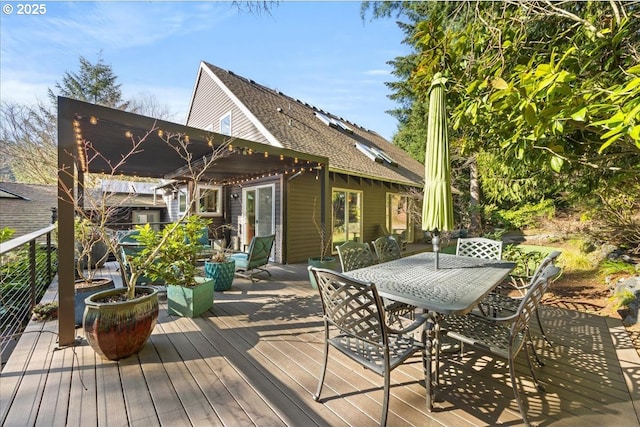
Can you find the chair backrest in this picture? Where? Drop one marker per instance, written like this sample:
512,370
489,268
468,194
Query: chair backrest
479,247
259,250
548,260
387,248
203,239
354,307
354,255
530,303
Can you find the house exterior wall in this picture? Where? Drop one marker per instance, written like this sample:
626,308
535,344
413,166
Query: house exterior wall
303,197
211,103
26,216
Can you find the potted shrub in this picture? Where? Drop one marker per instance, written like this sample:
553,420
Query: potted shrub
220,266
91,252
188,294
325,260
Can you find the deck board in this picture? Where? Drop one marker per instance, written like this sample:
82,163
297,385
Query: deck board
255,357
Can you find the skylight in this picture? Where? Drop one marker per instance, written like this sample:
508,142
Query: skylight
376,154
333,122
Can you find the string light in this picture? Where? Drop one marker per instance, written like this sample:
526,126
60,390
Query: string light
93,120
128,134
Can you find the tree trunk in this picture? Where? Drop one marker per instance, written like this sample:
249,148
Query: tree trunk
474,192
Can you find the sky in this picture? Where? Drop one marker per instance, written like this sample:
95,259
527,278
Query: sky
322,53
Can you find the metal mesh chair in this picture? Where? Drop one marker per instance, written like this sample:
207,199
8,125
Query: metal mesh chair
354,325
354,255
501,336
387,248
479,247
499,303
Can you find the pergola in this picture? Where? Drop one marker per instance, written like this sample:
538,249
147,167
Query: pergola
97,139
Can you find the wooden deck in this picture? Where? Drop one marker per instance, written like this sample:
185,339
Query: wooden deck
254,360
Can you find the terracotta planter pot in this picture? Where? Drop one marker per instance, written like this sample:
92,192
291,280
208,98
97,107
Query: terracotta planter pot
190,301
221,272
83,291
116,330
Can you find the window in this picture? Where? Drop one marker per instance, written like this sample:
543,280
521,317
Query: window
183,200
225,124
209,200
398,219
347,216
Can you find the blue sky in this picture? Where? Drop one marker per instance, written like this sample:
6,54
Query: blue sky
320,52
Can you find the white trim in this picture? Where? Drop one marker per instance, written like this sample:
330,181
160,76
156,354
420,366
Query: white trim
204,188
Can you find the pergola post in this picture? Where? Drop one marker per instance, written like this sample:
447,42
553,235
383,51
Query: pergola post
66,238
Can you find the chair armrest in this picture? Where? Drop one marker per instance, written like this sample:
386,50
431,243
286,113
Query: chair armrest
412,327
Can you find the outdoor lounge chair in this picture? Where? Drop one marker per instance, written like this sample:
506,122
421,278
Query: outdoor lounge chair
387,248
503,337
354,324
250,263
479,247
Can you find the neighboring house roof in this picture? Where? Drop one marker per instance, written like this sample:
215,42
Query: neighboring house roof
128,194
293,124
26,207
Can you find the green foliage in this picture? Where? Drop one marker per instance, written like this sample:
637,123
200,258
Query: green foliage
526,260
6,234
45,311
611,267
545,88
622,298
94,83
525,216
174,261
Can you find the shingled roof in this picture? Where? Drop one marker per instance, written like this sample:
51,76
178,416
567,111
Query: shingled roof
296,125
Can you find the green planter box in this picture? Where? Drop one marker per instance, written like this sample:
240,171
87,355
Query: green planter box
329,262
190,301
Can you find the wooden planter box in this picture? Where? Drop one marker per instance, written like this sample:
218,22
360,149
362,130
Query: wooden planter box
190,301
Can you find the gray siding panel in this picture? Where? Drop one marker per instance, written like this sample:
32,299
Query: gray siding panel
211,103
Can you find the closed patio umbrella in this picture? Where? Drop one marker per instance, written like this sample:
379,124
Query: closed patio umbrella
437,205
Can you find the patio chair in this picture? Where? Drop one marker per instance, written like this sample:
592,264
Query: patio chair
498,302
503,337
387,248
256,257
354,255
479,247
398,236
354,325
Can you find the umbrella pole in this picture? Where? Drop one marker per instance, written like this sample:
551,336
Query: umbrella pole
435,243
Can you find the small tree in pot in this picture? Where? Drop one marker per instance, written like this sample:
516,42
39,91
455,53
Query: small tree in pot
118,322
188,293
325,260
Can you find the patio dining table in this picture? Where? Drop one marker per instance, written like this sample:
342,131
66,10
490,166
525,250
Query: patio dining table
454,288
